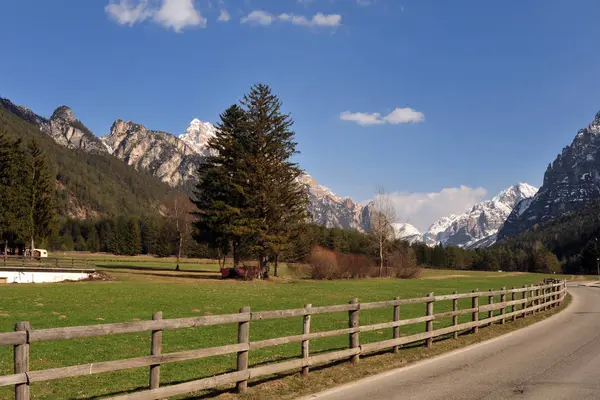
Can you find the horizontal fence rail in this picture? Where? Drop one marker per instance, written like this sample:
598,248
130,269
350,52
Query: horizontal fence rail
532,299
30,262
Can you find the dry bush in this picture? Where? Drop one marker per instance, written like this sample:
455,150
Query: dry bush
354,265
403,263
323,264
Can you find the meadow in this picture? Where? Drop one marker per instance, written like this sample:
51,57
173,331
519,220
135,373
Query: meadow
141,286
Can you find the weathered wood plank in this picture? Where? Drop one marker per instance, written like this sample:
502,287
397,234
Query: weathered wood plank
13,338
242,356
353,322
21,363
259,344
130,327
429,324
396,328
455,315
8,380
155,349
129,363
475,315
306,342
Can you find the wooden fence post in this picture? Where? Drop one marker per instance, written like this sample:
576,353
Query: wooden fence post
396,330
503,309
429,324
353,323
524,305
513,297
532,303
455,317
242,356
475,305
306,331
155,350
21,359
490,302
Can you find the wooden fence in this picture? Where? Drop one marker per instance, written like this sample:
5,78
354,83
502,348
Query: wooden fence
30,262
522,301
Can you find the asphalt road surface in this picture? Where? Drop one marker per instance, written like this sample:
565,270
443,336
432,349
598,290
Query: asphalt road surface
558,358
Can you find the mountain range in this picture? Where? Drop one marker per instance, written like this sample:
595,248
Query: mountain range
569,182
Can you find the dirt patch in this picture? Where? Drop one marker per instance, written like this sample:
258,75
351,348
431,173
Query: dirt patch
437,278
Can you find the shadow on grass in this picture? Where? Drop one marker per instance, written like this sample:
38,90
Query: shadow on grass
142,268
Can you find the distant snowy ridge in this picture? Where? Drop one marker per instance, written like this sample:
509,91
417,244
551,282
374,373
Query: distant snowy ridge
478,226
407,232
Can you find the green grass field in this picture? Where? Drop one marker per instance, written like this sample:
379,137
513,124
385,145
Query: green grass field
142,287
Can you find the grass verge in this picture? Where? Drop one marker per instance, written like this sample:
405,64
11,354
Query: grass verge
290,386
135,296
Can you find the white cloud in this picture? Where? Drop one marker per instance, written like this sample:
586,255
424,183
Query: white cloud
178,14
172,14
259,17
319,19
224,16
327,20
126,12
423,209
362,118
398,116
404,116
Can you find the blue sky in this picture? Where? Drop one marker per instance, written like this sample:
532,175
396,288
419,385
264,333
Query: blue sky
472,96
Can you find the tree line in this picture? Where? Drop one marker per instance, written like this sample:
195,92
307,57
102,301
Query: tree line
27,200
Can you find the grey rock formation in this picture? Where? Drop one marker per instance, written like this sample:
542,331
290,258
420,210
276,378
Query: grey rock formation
478,226
332,211
570,182
164,155
70,132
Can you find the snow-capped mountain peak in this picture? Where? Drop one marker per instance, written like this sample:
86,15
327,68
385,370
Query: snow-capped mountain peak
514,194
197,135
407,232
479,225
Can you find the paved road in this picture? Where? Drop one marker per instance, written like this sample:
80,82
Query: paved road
558,358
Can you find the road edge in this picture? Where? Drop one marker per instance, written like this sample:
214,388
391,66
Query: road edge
574,300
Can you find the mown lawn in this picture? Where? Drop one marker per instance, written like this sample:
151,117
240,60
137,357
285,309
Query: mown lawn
136,293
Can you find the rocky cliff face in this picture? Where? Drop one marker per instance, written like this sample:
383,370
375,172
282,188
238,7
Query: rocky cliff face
570,182
167,157
479,226
70,132
63,127
331,210
407,232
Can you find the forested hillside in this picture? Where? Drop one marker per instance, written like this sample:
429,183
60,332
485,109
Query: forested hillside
573,238
90,184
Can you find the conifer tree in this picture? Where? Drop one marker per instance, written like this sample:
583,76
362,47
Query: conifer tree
40,195
221,194
277,200
13,201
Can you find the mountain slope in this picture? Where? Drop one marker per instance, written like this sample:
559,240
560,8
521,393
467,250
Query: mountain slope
572,181
165,156
479,226
174,160
330,210
407,232
89,183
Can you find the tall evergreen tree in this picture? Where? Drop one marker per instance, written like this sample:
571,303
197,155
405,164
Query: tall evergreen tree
276,199
40,195
221,196
13,201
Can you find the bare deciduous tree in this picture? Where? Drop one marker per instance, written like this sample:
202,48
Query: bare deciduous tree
381,229
178,210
